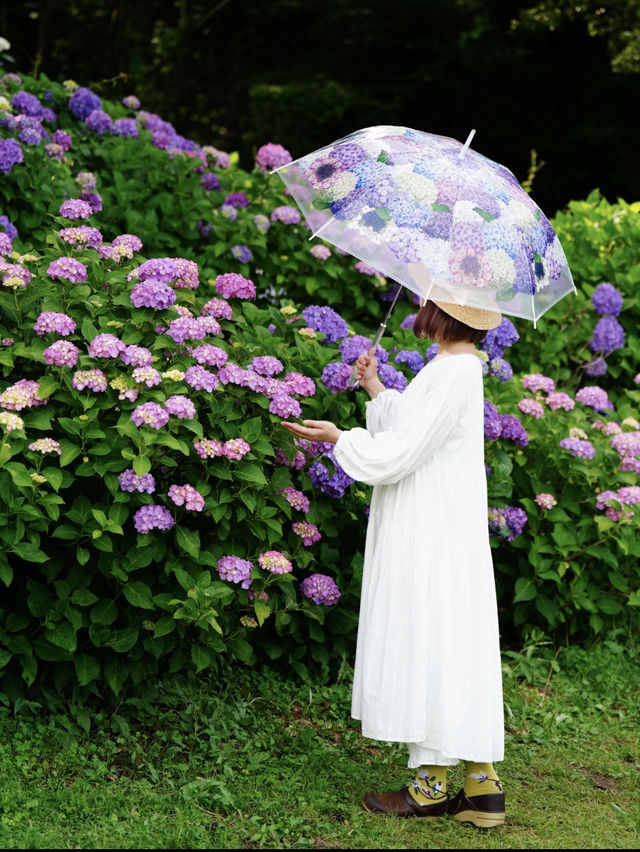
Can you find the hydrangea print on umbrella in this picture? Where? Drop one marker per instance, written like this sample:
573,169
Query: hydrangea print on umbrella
393,196
321,589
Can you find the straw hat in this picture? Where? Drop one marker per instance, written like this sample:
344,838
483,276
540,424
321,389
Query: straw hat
474,317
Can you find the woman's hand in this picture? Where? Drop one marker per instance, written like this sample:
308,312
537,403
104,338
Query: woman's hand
314,430
367,368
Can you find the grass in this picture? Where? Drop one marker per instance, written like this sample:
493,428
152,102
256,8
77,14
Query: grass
252,759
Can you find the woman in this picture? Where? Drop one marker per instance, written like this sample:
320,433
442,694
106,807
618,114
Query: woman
427,669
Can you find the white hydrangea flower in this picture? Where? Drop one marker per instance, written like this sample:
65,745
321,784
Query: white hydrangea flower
503,270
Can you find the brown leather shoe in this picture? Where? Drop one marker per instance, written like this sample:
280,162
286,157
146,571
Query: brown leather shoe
401,803
487,811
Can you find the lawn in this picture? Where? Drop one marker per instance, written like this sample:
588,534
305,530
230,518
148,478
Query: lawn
251,758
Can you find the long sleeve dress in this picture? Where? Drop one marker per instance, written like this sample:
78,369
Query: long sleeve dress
427,669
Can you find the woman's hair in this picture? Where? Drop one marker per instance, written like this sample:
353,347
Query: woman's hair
434,323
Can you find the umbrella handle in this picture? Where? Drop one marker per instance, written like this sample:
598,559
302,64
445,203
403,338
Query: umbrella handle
353,378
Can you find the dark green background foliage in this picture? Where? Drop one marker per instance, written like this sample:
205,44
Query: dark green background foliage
91,606
557,77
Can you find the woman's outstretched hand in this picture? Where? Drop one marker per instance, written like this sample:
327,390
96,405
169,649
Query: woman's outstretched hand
314,430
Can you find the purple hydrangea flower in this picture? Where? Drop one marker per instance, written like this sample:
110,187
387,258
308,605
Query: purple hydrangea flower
131,102
608,335
210,355
391,378
235,570
151,414
185,328
75,208
596,367
200,379
237,199
309,533
431,352
125,127
560,400
137,356
161,268
320,252
262,222
27,104
302,385
512,429
44,446
507,523
578,447
146,375
81,236
62,353
209,181
83,102
180,406
271,156
152,293
335,376
531,407
93,199
414,360
242,253
321,589
187,496
408,321
152,517
67,268
100,121
63,139
295,498
233,284
106,346
285,406
10,155
274,561
49,321
501,369
130,481
594,397
537,382
546,501
10,229
286,214
327,321
333,484
235,448
606,300
266,365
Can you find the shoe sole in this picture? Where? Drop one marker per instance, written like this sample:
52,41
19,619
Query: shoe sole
480,819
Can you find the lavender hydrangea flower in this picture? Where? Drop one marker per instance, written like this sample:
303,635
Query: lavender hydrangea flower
501,369
53,321
302,385
100,121
285,214
5,244
309,533
327,321
187,496
136,356
606,300
232,284
62,353
560,400
152,293
45,445
285,406
235,448
242,253
596,367
209,181
106,346
320,252
125,127
152,517
531,407
210,355
146,375
261,222
180,406
335,376
512,429
208,448
275,562
321,589
595,397
75,208
67,268
185,328
537,382
295,498
408,321
81,236
151,414
271,156
237,199
266,365
130,481
159,268
131,102
235,570
546,501
200,379
579,448
95,380
608,335
63,139
23,394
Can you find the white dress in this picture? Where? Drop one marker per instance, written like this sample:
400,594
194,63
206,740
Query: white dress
427,669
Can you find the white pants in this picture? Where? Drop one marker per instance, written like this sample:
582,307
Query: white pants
421,754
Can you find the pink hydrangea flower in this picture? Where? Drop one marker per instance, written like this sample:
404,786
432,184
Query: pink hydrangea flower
532,407
309,533
275,562
546,501
537,382
560,400
235,448
187,496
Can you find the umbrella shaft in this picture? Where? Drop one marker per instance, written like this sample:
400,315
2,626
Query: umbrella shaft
353,378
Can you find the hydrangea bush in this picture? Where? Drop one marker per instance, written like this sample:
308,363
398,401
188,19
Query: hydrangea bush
162,311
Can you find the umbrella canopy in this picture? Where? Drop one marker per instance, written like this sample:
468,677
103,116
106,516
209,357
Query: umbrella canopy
448,223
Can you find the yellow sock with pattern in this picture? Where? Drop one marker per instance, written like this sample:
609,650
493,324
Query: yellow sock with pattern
480,779
429,785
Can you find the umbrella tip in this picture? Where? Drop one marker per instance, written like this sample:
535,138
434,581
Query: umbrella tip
467,143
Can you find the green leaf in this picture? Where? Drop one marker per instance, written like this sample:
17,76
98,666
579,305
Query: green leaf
104,612
141,465
138,594
83,597
54,477
241,649
29,552
525,590
164,626
123,640
63,635
87,668
189,541
6,571
201,657
251,473
262,610
46,386
116,672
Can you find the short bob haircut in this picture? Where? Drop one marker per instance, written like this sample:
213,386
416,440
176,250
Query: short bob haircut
434,323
